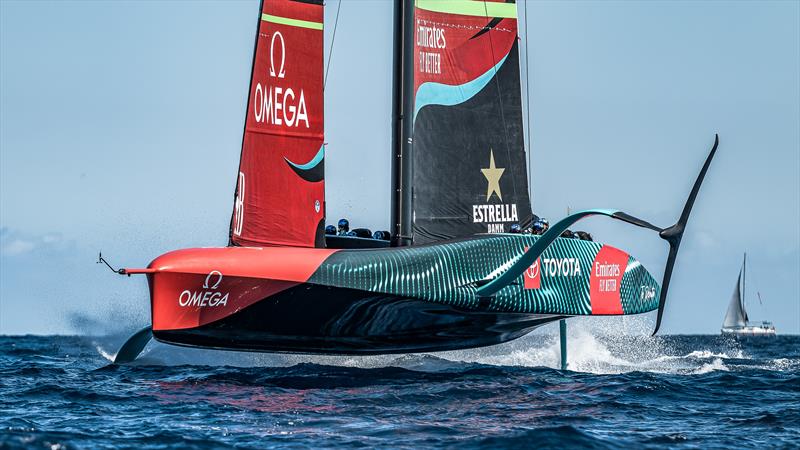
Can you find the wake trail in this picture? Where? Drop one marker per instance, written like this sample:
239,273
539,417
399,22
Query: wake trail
594,346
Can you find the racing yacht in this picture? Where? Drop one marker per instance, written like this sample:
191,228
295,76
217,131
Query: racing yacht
452,275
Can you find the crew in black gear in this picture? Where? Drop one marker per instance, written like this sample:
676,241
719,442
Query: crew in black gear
344,227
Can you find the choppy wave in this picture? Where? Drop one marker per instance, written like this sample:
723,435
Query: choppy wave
591,347
620,391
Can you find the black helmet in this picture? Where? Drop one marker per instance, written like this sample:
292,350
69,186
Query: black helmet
381,235
362,232
344,226
515,228
330,229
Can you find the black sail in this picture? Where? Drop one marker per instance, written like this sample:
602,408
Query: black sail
469,171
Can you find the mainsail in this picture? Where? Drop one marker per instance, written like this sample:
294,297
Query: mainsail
469,171
737,315
280,186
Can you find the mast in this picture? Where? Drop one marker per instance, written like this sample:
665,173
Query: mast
402,122
744,278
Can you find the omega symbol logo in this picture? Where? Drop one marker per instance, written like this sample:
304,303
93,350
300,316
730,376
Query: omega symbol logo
214,275
281,72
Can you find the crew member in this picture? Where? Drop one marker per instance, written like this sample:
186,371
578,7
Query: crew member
538,227
381,235
344,227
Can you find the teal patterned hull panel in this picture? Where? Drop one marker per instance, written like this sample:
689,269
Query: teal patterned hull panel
450,272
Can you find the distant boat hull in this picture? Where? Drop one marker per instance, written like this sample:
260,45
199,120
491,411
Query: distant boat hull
750,330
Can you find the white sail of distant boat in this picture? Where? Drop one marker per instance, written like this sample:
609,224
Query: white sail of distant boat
736,320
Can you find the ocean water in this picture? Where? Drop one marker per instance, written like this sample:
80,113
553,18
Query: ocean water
621,391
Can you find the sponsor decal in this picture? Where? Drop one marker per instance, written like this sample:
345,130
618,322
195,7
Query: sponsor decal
550,267
273,102
208,296
238,207
533,276
606,277
565,267
493,175
430,39
647,293
213,279
496,215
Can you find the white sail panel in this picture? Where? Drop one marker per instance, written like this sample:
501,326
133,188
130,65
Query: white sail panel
736,317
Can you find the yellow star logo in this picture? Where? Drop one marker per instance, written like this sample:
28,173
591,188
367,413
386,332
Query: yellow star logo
493,175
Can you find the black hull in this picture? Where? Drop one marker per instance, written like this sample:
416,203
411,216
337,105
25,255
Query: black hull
319,319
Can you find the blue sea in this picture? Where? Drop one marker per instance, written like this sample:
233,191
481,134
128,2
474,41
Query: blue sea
60,392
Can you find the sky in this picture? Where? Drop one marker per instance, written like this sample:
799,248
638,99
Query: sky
121,124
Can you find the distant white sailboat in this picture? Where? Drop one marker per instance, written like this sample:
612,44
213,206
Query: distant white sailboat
736,321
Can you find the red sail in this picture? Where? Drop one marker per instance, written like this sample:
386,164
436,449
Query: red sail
280,187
